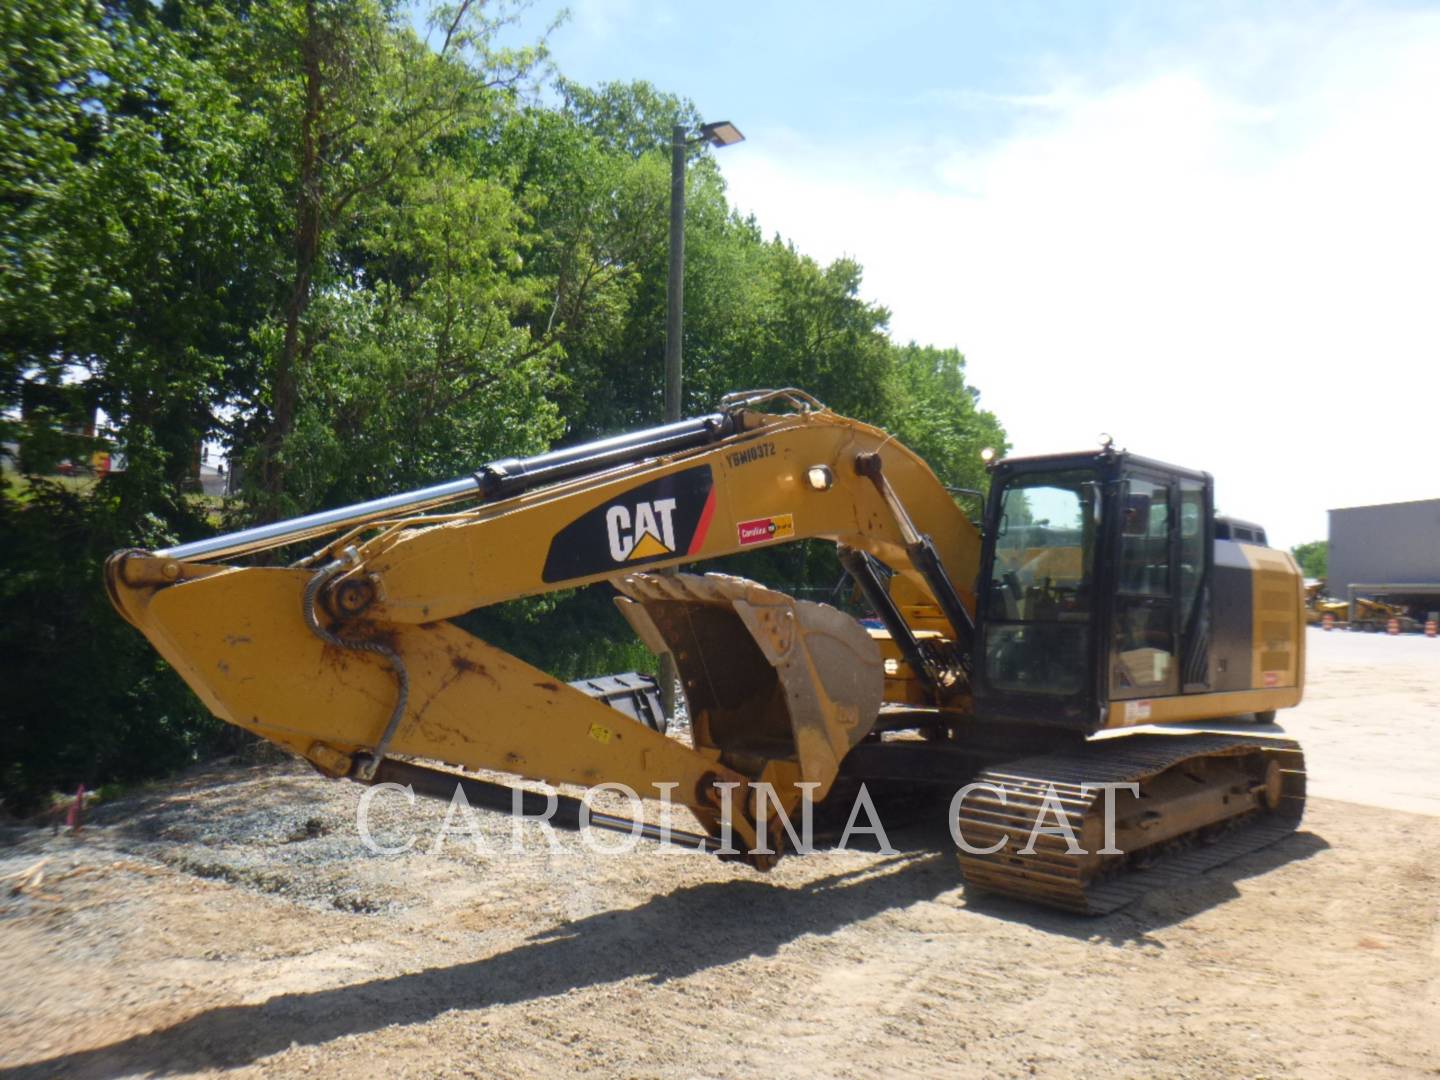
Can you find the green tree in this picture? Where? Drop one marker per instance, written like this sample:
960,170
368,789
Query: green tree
593,241
87,700
808,328
1313,558
126,177
427,372
630,118
366,261
935,412
359,105
51,53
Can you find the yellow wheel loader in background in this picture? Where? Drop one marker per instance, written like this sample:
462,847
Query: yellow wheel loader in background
1318,605
1013,659
1367,613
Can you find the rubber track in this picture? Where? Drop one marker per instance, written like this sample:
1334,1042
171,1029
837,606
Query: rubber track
1083,884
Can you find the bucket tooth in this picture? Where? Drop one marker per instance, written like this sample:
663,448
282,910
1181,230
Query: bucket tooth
767,677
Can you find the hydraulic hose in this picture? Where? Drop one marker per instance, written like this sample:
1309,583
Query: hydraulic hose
365,764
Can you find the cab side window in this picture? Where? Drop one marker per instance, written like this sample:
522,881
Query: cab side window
1143,649
1192,547
1145,540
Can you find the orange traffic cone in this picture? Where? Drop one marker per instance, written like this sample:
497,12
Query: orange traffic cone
1328,621
1392,627
1430,628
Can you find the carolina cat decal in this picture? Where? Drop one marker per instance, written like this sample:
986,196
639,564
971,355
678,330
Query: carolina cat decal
657,520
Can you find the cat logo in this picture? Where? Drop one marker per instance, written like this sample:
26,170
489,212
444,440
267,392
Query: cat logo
664,518
647,533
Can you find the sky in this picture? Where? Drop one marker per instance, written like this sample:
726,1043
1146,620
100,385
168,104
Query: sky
1210,230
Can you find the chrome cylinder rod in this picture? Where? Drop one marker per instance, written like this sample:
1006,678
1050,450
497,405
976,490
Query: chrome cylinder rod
497,480
326,521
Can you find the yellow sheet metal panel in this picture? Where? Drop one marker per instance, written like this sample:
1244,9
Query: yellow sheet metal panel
1277,654
1278,634
470,704
1182,708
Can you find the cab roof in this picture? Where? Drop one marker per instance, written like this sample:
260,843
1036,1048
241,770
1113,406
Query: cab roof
1108,459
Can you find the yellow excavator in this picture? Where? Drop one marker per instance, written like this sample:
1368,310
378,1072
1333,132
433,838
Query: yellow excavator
1004,668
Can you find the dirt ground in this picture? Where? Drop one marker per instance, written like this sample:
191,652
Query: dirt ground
234,922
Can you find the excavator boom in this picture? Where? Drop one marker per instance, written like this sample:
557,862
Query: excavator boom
349,656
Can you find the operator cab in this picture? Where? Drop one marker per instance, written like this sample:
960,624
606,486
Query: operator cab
1094,587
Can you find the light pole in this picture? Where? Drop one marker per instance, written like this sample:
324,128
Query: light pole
721,133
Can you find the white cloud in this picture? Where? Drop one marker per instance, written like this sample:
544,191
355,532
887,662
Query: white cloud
1241,280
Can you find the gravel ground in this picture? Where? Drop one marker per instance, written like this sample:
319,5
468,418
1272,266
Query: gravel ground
233,921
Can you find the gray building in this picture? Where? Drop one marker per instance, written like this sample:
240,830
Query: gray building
1390,551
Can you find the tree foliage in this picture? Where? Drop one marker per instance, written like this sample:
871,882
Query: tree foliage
86,698
1313,558
361,259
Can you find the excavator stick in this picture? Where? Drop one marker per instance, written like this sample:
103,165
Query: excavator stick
780,689
767,677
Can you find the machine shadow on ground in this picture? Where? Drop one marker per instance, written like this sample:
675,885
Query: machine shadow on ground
670,936
1159,908
1155,910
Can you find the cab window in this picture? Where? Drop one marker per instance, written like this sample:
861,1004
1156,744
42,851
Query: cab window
1037,636
1044,549
1143,636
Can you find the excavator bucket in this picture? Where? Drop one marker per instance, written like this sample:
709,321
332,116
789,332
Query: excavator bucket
767,677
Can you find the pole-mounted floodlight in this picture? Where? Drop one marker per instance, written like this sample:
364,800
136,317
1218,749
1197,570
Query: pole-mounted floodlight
720,133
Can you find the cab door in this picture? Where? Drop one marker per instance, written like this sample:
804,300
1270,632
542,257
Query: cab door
1194,551
1143,654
